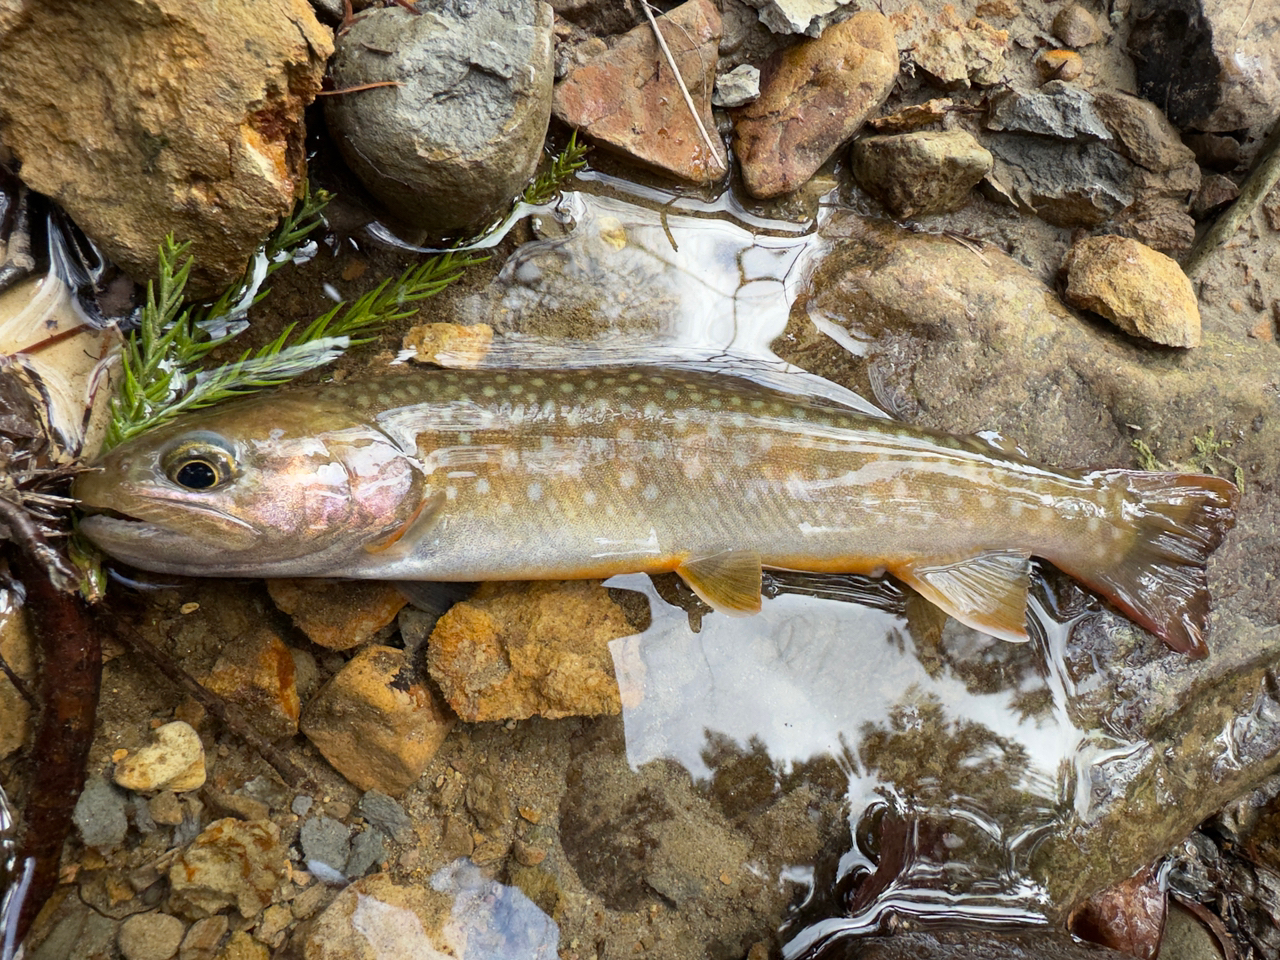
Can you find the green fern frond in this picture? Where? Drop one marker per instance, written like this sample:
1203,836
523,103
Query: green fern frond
552,180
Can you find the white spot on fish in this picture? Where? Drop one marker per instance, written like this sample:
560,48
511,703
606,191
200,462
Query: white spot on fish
740,458
489,391
900,489
693,468
626,434
451,493
464,438
650,492
482,485
589,498
627,479
986,501
953,494
534,492
765,443
1094,524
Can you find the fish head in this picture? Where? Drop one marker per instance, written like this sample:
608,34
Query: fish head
271,486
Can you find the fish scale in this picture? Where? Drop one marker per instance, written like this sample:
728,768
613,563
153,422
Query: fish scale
548,474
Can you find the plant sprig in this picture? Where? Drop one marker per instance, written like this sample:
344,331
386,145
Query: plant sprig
550,181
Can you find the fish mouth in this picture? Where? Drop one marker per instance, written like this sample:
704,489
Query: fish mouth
162,539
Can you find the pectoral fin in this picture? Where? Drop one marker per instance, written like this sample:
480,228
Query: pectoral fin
728,582
987,592
404,536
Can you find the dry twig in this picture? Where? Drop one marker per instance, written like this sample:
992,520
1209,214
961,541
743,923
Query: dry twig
688,98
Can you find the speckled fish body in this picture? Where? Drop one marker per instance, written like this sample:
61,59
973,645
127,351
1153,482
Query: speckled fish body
547,474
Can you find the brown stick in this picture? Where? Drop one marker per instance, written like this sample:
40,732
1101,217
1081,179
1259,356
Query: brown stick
228,713
363,86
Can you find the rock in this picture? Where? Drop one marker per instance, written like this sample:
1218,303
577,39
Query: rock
809,17
738,87
1143,133
232,863
1066,184
488,801
376,723
100,814
327,841
984,945
626,98
150,936
387,815
1060,110
1161,223
256,673
529,649
368,849
203,937
448,344
195,131
173,760
1059,65
1076,27
913,117
165,808
457,140
1141,291
1215,152
241,946
814,97
1211,65
920,173
965,340
76,932
16,648
1216,191
338,616
961,54
236,805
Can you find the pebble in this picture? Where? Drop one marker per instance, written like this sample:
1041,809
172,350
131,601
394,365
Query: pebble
100,814
813,98
738,87
203,937
375,722
301,804
200,126
920,173
809,17
337,616
173,760
1076,27
16,648
368,849
1060,110
256,672
962,53
387,815
374,917
529,649
241,946
449,344
1216,191
626,97
1059,65
236,805
1140,290
232,863
150,936
327,841
451,146
165,808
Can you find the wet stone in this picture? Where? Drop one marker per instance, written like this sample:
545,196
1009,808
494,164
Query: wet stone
368,849
809,17
15,712
1142,132
1066,184
738,87
461,134
1076,27
374,917
100,814
327,841
242,946
981,945
150,936
165,808
256,672
203,938
232,863
1216,192
236,805
1059,65
813,98
337,616
173,760
533,649
914,174
626,97
387,815
1162,223
1138,289
375,722
77,932
1060,110
962,53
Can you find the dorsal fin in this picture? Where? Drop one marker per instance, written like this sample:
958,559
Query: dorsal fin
728,581
987,592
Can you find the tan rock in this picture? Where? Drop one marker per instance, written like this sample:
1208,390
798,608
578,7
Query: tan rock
173,760
813,98
16,646
241,946
529,649
375,918
920,173
627,99
962,53
376,722
449,344
256,672
179,117
231,863
203,937
338,615
1059,65
1140,290
1076,27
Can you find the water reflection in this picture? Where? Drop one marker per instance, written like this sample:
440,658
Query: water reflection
958,751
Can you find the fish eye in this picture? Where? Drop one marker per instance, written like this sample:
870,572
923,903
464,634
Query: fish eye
199,465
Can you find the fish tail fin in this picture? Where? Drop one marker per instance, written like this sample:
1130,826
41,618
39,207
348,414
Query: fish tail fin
1159,581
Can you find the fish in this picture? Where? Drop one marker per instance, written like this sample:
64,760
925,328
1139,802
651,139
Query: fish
503,474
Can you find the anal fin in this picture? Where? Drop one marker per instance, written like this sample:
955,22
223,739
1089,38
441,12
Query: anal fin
987,592
728,582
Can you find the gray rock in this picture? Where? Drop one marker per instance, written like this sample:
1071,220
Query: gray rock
301,804
451,146
1067,184
738,87
100,813
1060,110
984,945
920,173
387,815
809,17
1212,65
150,936
367,849
966,340
76,933
326,840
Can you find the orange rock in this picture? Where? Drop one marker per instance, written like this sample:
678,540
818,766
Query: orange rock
1059,65
340,615
256,672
